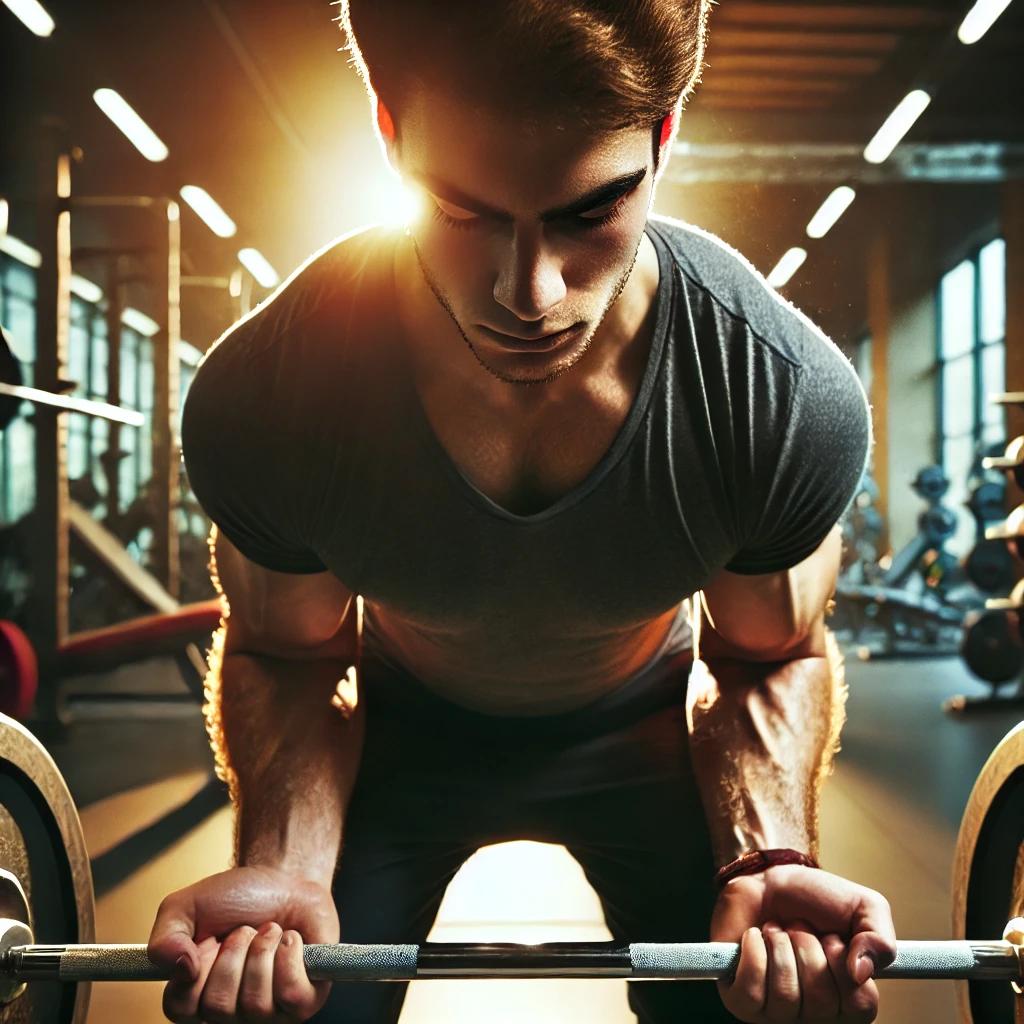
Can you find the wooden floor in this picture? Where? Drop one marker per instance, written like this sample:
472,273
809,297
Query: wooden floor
889,820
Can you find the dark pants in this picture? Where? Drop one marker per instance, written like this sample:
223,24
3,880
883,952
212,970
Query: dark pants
612,782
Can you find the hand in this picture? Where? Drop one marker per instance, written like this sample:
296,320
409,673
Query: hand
809,944
234,945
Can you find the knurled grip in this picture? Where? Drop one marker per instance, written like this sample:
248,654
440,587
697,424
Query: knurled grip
953,959
683,961
360,963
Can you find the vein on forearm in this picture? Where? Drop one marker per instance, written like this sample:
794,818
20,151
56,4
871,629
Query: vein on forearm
289,757
763,737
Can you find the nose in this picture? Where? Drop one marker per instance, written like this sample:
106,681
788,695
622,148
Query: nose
529,281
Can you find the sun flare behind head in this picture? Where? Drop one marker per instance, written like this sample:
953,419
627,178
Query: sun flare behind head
395,203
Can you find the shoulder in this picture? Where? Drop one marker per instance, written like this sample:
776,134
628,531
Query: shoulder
718,276
318,300
757,331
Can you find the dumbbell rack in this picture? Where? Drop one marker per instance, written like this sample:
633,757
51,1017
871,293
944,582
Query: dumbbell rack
993,644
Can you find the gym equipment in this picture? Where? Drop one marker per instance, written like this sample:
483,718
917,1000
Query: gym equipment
989,566
19,671
988,869
989,891
1010,531
1012,461
998,960
10,374
42,846
862,529
65,403
180,634
992,646
907,605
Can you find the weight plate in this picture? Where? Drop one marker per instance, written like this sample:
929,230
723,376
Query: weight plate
990,567
19,671
988,871
931,483
937,523
992,647
41,843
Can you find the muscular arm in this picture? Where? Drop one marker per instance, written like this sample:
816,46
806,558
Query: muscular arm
766,704
289,754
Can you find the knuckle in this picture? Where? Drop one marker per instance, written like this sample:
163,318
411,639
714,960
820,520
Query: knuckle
216,1008
290,997
254,1005
240,938
267,940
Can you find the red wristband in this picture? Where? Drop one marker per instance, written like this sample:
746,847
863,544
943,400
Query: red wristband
756,861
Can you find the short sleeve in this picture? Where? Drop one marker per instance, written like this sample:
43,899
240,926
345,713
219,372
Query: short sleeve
244,461
803,462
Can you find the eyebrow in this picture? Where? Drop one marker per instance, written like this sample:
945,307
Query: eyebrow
606,193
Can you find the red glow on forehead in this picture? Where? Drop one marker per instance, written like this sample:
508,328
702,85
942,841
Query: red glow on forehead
666,129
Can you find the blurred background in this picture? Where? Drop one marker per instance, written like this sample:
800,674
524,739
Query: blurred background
163,167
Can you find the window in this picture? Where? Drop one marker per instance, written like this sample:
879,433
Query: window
972,367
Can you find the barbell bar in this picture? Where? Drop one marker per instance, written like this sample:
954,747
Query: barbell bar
66,403
997,960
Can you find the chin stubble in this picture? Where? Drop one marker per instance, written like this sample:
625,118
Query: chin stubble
562,368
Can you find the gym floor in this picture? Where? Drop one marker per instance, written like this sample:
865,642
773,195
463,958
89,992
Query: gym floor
890,816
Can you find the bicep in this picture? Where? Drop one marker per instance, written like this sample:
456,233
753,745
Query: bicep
774,615
306,615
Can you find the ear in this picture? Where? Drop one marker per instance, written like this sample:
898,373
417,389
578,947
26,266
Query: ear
667,126
385,125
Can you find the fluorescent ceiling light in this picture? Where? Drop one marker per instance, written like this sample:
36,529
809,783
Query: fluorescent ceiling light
20,251
139,322
790,263
5,211
138,133
830,211
189,354
86,289
33,15
896,125
209,211
256,263
979,20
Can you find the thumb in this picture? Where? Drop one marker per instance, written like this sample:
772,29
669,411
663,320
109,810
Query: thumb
867,953
172,940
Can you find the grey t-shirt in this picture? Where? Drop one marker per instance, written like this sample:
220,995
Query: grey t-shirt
305,441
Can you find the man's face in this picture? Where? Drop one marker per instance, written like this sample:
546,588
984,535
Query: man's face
528,233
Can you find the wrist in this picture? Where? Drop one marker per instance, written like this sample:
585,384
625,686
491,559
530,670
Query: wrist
310,866
756,862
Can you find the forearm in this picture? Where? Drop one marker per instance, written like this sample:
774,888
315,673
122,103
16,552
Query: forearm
289,756
762,739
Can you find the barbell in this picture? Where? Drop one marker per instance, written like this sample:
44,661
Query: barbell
46,893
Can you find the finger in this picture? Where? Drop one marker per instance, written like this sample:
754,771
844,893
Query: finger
744,995
873,937
181,999
820,996
256,995
173,934
218,1003
294,994
856,1002
782,1002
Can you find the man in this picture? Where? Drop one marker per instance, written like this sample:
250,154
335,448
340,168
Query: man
524,432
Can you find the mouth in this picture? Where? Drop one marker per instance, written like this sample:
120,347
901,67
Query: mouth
537,344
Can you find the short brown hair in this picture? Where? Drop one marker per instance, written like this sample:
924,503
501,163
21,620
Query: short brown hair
605,64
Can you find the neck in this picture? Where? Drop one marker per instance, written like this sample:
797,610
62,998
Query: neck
435,345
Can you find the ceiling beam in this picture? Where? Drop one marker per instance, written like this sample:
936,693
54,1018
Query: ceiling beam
781,40
832,15
771,62
832,164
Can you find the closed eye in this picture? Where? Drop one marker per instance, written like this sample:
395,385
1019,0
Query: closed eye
455,216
